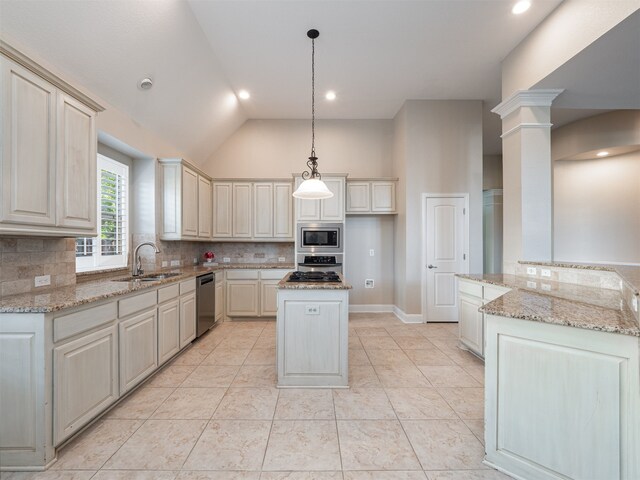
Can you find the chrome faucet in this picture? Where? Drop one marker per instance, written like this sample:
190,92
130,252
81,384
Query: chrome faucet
137,263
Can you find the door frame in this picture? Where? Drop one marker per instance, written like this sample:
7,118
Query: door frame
423,239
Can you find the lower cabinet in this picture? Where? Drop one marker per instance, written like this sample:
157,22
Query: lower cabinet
187,319
253,293
470,323
138,348
242,298
85,380
268,298
219,292
168,330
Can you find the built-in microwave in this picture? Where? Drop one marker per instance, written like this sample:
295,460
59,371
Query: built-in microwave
319,237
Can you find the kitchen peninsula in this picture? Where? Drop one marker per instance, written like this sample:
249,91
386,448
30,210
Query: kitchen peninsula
312,330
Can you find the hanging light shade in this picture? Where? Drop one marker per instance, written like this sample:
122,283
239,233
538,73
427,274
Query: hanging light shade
312,187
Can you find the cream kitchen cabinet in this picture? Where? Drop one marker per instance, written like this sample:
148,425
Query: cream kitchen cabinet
48,161
187,312
168,330
85,380
327,210
367,196
186,202
253,211
138,348
252,293
219,293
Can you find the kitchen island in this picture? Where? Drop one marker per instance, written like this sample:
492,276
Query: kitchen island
313,333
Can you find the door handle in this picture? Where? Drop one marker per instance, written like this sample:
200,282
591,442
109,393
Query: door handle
431,266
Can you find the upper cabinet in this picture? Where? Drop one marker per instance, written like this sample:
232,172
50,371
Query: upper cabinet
327,210
48,156
253,211
187,197
371,196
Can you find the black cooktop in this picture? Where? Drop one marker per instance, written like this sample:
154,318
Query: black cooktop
319,277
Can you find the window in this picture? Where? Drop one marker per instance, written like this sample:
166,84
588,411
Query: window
110,248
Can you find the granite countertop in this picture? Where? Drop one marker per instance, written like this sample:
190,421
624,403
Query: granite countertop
342,285
559,303
630,274
55,299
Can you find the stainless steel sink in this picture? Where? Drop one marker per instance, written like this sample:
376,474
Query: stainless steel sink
151,277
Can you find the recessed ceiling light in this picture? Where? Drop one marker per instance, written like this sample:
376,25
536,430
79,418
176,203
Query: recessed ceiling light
145,83
521,7
603,154
243,94
331,95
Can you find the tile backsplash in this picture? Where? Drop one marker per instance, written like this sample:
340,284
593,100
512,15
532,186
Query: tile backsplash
23,259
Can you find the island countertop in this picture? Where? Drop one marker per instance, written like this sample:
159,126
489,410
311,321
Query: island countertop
60,298
341,285
559,303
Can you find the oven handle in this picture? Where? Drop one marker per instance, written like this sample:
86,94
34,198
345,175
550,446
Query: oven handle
319,264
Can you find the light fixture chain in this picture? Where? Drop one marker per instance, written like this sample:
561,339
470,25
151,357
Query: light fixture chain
313,97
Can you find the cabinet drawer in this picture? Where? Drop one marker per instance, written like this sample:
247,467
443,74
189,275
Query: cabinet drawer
270,274
135,304
242,274
167,293
188,286
491,292
78,322
470,288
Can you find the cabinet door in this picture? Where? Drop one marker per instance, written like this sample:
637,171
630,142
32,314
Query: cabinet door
205,206
77,164
268,298
471,323
282,211
332,209
219,301
85,380
306,210
358,197
187,319
383,196
168,331
189,203
242,298
263,218
242,217
28,147
222,202
138,348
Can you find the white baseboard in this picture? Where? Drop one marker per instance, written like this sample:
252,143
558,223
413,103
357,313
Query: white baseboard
380,308
407,317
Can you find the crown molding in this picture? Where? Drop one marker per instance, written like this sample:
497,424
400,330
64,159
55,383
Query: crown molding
527,98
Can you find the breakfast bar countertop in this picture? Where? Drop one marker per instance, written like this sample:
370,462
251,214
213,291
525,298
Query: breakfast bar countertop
60,298
559,303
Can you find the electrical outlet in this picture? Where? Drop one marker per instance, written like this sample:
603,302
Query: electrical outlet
545,286
282,259
545,272
165,263
532,285
312,309
368,283
43,280
531,271
226,260
175,263
634,303
371,253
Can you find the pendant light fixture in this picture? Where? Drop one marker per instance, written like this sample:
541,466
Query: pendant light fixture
312,187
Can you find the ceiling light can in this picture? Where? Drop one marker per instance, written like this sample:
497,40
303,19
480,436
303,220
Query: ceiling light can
521,7
145,83
244,95
602,154
330,95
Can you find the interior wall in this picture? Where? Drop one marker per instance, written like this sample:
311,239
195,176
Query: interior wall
278,148
443,154
491,172
364,233
400,236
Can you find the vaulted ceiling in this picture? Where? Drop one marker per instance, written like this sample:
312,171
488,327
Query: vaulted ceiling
374,54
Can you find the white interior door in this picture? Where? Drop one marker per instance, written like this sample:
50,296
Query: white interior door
444,236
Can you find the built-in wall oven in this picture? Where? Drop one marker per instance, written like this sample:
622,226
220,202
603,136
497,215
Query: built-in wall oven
319,237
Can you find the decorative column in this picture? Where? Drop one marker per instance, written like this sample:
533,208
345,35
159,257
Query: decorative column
527,177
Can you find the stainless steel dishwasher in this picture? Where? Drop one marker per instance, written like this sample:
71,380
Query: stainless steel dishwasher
206,302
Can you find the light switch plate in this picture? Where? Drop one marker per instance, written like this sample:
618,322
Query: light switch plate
634,303
282,259
532,285
545,272
226,260
371,252
175,263
165,263
368,283
531,271
43,280
312,309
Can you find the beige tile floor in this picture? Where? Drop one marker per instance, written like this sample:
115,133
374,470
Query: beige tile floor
414,411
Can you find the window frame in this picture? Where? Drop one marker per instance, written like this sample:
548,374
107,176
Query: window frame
98,261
